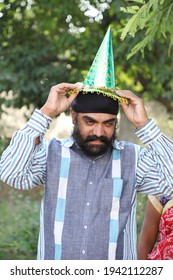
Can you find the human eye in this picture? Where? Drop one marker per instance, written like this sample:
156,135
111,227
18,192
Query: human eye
89,121
109,123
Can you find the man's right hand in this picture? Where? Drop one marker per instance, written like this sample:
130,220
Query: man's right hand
58,101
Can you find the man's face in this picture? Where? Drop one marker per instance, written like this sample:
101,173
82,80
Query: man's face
94,132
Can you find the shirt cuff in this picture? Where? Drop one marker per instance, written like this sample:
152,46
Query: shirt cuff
39,122
149,133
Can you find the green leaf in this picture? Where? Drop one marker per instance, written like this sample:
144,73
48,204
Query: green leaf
130,27
138,1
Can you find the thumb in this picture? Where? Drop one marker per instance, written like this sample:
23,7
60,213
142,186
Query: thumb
72,97
124,106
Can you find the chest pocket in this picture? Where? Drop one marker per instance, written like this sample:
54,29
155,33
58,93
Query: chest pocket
107,194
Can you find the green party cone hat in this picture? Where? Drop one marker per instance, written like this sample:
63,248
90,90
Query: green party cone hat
101,73
101,78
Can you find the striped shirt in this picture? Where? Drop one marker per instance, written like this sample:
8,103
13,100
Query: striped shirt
23,166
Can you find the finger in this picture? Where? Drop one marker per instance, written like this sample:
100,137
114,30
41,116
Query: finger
71,98
64,88
125,106
127,93
67,86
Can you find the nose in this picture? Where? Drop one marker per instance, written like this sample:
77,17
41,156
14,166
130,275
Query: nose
98,130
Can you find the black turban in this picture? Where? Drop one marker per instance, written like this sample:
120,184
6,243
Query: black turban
92,102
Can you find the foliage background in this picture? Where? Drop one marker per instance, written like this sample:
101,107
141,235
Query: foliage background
47,42
19,222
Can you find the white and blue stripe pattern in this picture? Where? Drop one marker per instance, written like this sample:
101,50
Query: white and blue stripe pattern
61,201
114,215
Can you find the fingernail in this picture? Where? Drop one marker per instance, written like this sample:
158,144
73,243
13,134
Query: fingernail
79,85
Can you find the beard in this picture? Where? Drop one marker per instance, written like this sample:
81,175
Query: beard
90,149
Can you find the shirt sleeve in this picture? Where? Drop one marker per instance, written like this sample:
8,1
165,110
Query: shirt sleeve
155,162
23,164
156,203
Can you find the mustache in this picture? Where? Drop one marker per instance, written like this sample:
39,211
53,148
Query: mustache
102,139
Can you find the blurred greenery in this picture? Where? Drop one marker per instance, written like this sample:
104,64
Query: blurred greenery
155,17
19,224
141,202
43,43
4,141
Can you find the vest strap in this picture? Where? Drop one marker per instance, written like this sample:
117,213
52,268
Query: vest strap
61,201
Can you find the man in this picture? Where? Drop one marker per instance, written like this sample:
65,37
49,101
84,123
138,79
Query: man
91,180
84,183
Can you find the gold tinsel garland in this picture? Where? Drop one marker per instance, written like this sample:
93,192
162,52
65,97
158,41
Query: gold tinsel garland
103,90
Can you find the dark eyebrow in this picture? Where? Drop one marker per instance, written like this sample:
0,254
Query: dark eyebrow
110,120
87,118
